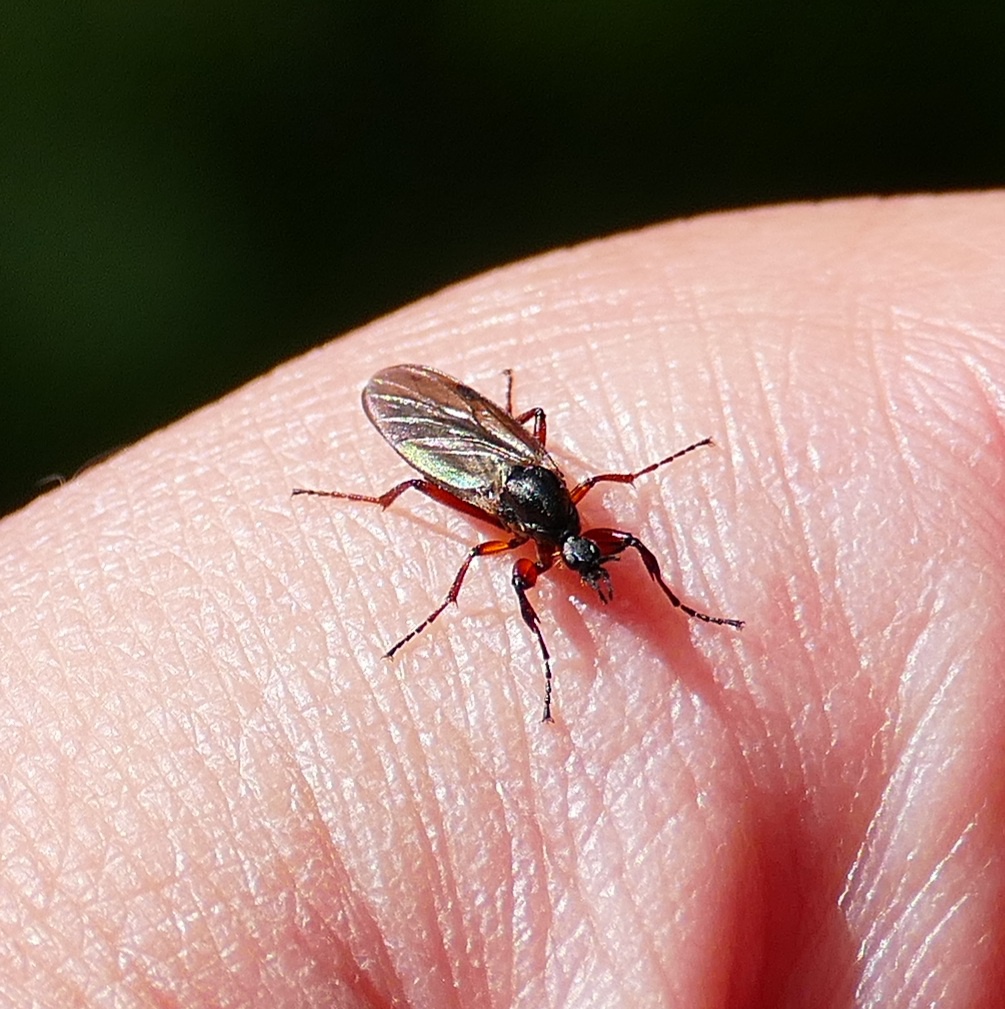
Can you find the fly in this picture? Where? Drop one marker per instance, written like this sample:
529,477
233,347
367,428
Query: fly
480,459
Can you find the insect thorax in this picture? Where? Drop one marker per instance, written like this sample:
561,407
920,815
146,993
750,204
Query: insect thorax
535,501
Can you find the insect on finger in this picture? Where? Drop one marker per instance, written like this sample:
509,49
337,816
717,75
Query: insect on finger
479,458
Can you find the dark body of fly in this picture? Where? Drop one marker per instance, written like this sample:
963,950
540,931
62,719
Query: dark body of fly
480,459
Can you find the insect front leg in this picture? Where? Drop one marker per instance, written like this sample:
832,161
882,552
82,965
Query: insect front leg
613,542
483,549
525,575
582,489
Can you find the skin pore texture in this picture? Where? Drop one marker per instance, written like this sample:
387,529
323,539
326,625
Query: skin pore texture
216,793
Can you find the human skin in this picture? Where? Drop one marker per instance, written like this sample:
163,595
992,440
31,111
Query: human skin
216,793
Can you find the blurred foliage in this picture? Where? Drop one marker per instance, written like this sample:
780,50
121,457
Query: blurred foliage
191,193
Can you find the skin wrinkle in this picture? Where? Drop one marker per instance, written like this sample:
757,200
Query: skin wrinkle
948,423
536,819
444,878
354,843
379,963
448,874
521,893
588,921
945,395
103,848
215,895
900,914
218,897
924,893
834,731
584,853
439,843
360,589
859,869
993,402
729,443
917,959
634,854
888,415
334,845
638,903
495,908
789,510
576,842
504,904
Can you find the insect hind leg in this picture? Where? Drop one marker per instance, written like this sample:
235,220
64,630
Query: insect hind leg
426,487
383,500
481,550
540,430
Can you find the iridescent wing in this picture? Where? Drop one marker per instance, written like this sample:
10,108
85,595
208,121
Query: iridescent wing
450,433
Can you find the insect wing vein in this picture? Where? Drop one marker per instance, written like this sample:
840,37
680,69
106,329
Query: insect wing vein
449,432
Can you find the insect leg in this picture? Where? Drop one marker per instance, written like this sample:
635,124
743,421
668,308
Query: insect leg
581,489
525,575
491,547
423,486
613,542
540,431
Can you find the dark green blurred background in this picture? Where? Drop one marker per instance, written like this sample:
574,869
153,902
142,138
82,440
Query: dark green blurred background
191,194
